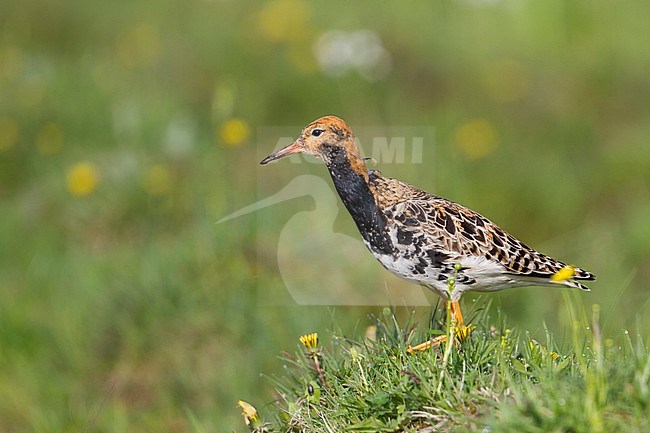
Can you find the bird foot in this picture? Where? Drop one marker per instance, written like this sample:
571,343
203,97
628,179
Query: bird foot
458,329
433,342
461,333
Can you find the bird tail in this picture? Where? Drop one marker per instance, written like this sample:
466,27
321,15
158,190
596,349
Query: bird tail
570,275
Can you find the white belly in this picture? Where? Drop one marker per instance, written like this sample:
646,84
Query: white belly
478,274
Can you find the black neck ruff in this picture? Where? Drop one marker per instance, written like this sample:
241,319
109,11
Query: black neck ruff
359,201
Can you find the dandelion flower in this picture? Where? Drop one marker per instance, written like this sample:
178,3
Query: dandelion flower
310,341
249,413
234,132
284,20
462,332
82,179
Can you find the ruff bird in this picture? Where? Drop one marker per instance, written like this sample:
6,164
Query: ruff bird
423,238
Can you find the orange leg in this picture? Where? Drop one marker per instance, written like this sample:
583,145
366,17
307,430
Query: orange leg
456,314
460,330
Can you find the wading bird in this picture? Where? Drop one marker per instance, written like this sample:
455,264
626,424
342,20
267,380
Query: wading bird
424,238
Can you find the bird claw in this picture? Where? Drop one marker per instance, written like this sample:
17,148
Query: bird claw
461,333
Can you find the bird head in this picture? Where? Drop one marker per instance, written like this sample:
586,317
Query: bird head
329,139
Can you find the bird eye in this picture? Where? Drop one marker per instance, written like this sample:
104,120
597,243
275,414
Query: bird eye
317,132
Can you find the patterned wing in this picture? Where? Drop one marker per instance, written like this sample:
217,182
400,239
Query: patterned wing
456,231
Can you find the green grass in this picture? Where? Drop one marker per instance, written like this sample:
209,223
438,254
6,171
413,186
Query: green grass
497,380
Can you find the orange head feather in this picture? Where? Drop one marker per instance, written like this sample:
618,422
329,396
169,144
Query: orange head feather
323,138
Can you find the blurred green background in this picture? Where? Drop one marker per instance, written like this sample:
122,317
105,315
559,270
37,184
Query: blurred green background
127,129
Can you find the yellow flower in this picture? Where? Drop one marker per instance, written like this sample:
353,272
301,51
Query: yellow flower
83,178
462,332
8,133
284,20
249,413
476,138
49,139
505,342
310,341
158,180
234,131
564,274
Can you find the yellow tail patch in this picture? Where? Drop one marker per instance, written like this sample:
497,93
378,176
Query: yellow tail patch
566,273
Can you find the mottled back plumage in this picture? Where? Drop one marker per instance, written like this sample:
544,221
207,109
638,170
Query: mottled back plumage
421,237
436,233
